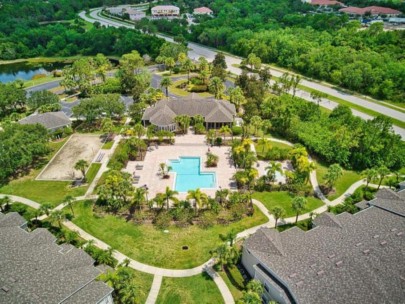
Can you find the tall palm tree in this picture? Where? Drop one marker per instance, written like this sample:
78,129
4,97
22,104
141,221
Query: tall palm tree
159,200
216,87
139,197
278,213
82,165
57,216
69,200
272,169
166,82
139,130
221,195
256,122
382,173
200,198
170,195
107,127
298,205
188,65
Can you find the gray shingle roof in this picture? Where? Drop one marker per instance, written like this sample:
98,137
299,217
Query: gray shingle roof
345,259
164,112
51,120
34,269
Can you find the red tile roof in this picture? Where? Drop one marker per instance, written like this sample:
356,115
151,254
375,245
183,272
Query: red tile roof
374,10
202,10
326,2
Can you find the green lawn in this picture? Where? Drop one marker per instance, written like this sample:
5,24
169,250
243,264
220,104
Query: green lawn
234,280
92,172
51,192
146,244
199,289
177,91
261,149
283,199
143,282
342,184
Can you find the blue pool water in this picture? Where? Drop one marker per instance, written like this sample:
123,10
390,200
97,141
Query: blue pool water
189,176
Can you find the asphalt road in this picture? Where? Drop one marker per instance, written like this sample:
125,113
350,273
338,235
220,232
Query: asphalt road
196,51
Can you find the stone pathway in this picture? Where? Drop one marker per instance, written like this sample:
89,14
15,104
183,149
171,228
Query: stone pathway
22,200
154,290
223,288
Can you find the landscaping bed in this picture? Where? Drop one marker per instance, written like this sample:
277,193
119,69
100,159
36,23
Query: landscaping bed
149,245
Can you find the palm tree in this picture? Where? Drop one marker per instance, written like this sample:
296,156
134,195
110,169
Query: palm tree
210,136
139,130
200,198
82,165
221,195
382,173
278,213
164,169
263,142
69,200
188,65
334,172
138,145
298,205
139,197
225,130
216,87
170,195
256,122
46,208
57,216
272,169
159,200
237,98
166,82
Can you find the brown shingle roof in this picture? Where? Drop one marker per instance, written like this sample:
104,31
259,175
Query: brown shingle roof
164,112
51,120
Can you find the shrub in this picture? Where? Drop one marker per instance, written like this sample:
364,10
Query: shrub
237,211
277,153
207,220
199,128
199,88
38,76
176,70
57,73
218,141
212,160
237,130
162,220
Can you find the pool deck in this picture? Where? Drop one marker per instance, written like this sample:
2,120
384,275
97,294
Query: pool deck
186,145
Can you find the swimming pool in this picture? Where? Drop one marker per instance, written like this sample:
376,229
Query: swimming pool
189,176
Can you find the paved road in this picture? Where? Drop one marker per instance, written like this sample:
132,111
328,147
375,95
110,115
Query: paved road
196,51
44,86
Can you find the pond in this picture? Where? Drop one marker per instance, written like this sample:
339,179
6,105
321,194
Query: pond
26,70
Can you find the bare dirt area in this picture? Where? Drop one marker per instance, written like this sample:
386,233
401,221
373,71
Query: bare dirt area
61,166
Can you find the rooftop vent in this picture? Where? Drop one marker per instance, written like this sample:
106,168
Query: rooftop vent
300,283
293,275
320,272
376,236
339,263
383,243
394,229
367,251
5,289
358,244
400,233
12,279
313,265
331,256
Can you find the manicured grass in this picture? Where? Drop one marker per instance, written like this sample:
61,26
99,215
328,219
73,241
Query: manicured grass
348,178
92,172
35,82
262,149
303,225
143,282
146,244
234,280
51,192
108,145
283,199
199,289
177,91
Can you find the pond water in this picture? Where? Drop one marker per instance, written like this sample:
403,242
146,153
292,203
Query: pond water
26,70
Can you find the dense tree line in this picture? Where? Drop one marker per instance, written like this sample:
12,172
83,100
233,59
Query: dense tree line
338,137
21,146
68,40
